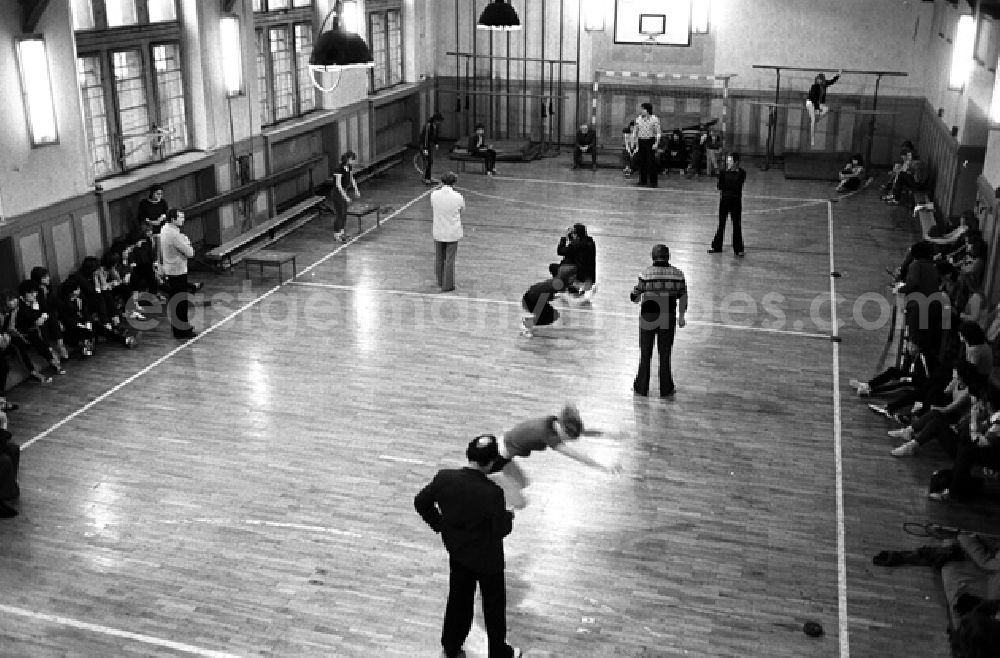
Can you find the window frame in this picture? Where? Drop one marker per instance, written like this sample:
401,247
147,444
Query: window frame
391,66
100,14
263,23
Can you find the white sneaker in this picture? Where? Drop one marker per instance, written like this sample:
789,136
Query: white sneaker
864,390
908,449
905,433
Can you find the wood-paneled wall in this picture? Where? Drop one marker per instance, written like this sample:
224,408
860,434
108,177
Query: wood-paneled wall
953,168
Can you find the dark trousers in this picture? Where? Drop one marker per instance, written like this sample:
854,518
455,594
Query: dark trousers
578,156
16,349
177,307
904,181
540,306
648,167
489,155
663,337
38,342
459,612
732,207
10,457
444,264
428,163
339,211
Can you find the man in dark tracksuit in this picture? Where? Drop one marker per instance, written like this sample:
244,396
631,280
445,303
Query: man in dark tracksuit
730,186
468,509
428,143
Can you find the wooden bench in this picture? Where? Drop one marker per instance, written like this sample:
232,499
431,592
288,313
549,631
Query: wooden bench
359,210
380,165
268,257
463,158
229,253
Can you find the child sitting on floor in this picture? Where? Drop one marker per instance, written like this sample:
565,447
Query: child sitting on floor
852,175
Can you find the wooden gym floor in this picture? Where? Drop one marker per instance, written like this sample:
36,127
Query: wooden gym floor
250,492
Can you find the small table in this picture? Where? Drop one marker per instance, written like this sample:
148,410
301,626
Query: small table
278,258
359,210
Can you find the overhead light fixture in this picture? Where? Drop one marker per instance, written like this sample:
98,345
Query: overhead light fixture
700,11
593,17
232,55
337,49
499,15
962,52
33,64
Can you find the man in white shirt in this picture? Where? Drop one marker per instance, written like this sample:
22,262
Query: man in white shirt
175,250
447,205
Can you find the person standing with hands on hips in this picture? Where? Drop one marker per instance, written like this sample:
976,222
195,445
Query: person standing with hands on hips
646,133
469,511
447,206
175,250
731,180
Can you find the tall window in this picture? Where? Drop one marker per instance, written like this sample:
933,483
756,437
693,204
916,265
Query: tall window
131,82
105,14
284,43
385,36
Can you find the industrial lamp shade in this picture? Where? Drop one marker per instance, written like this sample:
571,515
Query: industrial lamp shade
340,49
499,15
336,50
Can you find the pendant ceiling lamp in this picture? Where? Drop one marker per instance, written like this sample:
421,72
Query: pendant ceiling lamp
499,15
337,49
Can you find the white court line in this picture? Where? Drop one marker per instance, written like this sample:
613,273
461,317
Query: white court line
631,213
845,647
119,386
712,192
259,522
115,632
402,460
205,332
508,302
355,238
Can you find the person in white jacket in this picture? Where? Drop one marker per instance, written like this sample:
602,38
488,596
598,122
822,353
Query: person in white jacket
175,250
447,205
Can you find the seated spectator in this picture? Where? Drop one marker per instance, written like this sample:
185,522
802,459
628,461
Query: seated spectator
578,250
97,299
143,267
29,326
674,154
910,177
969,386
586,143
478,147
47,303
913,372
952,234
629,149
981,446
970,258
79,330
974,309
852,175
696,145
10,346
10,459
907,145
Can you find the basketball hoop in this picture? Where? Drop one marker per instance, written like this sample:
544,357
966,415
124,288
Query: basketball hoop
652,26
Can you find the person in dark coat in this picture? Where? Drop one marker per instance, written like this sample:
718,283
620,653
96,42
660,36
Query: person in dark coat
468,510
537,300
578,249
586,142
10,458
816,101
730,184
429,144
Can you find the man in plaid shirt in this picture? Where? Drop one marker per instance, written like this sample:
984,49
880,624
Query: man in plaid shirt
662,295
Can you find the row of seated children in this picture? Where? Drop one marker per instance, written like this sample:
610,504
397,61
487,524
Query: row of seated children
51,322
691,151
946,390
